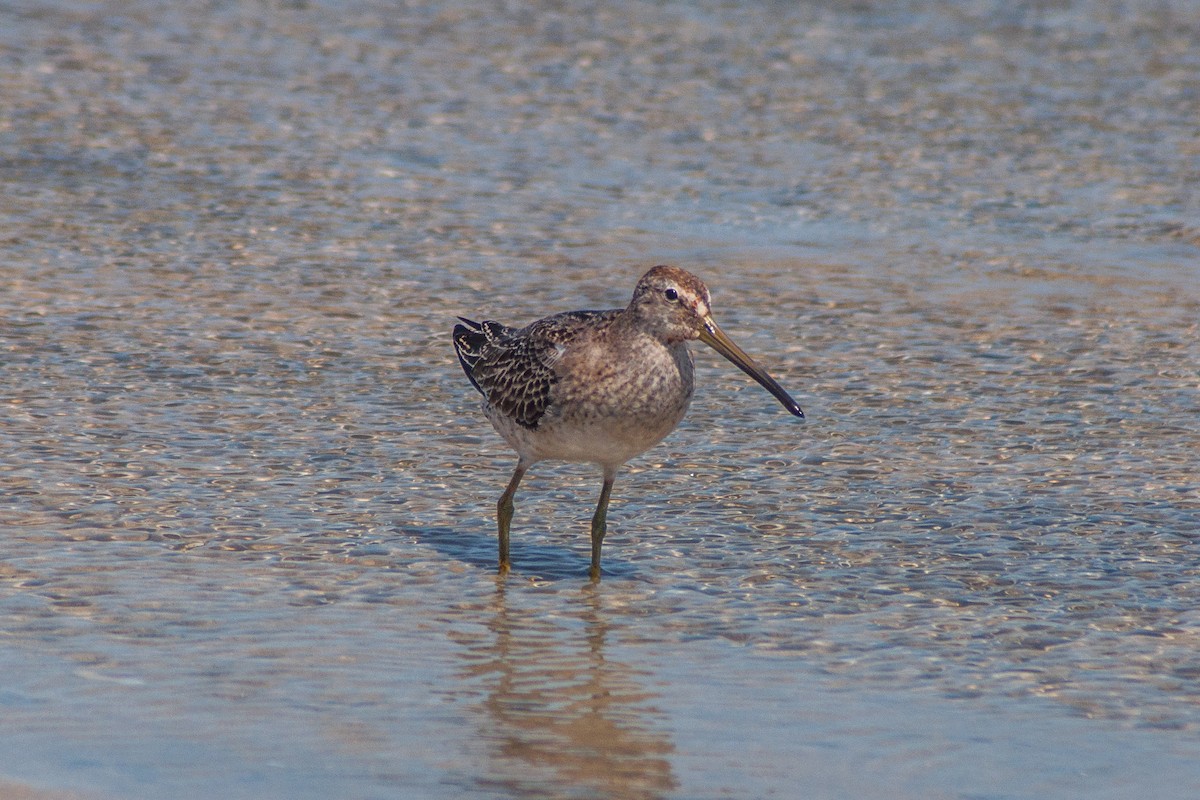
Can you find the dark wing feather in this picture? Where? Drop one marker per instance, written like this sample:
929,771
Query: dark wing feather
470,341
514,369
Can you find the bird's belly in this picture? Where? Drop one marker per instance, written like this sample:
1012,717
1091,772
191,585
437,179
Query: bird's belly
608,441
598,440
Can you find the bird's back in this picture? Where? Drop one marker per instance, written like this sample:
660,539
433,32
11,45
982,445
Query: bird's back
513,368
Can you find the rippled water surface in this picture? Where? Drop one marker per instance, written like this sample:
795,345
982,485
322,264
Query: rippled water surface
248,499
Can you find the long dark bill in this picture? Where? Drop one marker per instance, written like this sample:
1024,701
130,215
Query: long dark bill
715,338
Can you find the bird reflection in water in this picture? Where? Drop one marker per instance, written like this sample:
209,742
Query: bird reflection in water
559,715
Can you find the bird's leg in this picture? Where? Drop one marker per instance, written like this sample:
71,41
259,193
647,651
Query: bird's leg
504,513
599,522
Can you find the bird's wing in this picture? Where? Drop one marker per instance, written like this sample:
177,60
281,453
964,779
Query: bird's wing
514,368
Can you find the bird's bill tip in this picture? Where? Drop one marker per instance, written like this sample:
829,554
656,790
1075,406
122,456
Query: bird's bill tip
715,338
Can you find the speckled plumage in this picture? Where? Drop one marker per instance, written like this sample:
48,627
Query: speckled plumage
596,386
558,389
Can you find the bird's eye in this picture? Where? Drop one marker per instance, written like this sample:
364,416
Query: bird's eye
671,294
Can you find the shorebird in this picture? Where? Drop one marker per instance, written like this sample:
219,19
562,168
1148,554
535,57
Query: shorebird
596,386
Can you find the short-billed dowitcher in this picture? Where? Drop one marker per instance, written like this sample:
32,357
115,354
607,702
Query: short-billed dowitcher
596,386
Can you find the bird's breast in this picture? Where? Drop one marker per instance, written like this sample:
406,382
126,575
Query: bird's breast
645,385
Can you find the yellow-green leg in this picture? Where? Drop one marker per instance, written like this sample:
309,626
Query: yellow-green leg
599,522
504,514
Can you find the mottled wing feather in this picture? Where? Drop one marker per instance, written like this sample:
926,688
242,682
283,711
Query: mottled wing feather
471,339
514,369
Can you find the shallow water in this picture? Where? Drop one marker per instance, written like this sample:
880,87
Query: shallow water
248,496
